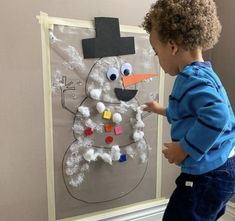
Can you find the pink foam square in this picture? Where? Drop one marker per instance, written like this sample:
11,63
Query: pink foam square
118,130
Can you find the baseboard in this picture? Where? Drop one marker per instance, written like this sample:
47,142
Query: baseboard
153,213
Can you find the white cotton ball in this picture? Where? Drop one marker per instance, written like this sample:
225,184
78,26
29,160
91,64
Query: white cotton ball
116,156
85,167
84,111
142,146
95,94
108,98
106,158
90,123
139,124
89,155
69,171
73,183
115,149
138,135
100,107
78,128
100,151
130,151
142,107
74,147
70,162
143,157
139,112
95,156
85,142
117,118
99,128
78,159
115,152
78,180
97,78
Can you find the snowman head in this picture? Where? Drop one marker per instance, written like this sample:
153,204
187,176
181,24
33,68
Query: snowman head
111,79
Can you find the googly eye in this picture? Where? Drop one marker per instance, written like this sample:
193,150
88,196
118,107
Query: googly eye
126,69
112,74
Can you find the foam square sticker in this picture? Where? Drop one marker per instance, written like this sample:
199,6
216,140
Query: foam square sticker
118,130
108,127
107,115
122,158
88,132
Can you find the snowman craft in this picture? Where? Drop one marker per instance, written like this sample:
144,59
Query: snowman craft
108,125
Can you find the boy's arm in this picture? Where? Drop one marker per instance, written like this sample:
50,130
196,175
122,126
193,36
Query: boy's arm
212,117
174,152
154,106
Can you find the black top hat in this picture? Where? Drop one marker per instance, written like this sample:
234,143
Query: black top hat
108,41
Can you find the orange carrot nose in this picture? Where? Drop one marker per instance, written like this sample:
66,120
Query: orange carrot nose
134,79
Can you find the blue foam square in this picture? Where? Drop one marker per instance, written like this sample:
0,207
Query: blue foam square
122,158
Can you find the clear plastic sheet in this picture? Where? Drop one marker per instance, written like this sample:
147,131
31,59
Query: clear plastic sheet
90,173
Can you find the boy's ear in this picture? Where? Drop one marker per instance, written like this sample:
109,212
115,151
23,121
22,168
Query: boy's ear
174,47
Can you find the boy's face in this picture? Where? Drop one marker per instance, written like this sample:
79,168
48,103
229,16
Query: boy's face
166,53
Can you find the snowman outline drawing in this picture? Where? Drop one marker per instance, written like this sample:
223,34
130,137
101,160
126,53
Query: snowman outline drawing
111,105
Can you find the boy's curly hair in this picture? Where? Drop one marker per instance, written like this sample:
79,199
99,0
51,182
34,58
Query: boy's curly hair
189,23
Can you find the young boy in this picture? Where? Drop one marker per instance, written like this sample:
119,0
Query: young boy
201,117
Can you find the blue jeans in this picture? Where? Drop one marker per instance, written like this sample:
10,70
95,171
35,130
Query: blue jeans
202,197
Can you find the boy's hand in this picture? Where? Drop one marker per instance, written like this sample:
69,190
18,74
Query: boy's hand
153,106
174,152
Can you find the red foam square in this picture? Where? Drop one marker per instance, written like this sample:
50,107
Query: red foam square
88,132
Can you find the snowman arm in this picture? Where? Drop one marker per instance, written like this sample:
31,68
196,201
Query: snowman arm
63,103
146,115
65,88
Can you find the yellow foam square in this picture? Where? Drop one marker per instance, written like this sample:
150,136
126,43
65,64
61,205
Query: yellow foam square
107,115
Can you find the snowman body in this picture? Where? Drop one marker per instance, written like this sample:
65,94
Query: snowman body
103,146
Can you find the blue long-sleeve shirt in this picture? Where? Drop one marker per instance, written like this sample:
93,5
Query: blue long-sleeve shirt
201,118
